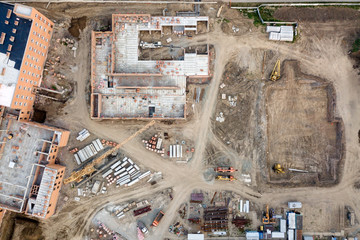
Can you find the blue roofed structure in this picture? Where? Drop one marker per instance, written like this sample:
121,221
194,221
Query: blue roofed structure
15,32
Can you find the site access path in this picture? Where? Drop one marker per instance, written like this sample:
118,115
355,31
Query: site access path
75,218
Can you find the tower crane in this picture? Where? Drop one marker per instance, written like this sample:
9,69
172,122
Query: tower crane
89,169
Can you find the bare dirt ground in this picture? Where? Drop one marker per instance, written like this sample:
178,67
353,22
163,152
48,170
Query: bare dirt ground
300,131
322,52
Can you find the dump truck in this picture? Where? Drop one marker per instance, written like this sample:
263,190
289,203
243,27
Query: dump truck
158,218
225,169
225,178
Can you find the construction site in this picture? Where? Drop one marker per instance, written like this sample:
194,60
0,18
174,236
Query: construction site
125,87
211,127
30,178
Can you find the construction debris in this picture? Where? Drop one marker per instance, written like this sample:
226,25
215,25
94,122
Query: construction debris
221,117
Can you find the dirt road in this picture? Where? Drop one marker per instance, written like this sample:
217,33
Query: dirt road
320,53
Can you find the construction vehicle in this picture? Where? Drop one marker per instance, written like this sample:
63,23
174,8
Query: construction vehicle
158,218
78,176
267,218
225,178
225,169
275,74
278,168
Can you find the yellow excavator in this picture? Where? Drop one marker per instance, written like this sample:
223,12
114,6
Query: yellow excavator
278,168
267,218
89,169
275,74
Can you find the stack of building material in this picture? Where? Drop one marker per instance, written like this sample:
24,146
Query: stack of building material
215,219
176,151
124,173
89,151
196,198
244,208
280,33
154,144
83,134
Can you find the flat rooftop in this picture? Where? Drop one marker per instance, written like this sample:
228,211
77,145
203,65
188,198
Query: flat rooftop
14,32
125,87
20,157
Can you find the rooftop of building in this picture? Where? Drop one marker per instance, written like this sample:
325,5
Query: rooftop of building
14,32
24,146
134,88
10,22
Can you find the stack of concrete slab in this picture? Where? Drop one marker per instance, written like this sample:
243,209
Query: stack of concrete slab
83,134
175,151
88,151
124,173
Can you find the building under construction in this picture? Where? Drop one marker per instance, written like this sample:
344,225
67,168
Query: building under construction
30,180
125,87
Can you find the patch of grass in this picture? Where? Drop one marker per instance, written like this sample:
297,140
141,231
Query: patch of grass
53,87
253,15
356,45
226,20
267,14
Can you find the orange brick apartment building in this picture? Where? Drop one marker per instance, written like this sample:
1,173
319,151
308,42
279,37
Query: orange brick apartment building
25,37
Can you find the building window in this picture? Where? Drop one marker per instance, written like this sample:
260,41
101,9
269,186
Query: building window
30,48
24,88
15,103
29,89
26,63
19,87
22,79
20,103
24,104
22,96
17,96
32,40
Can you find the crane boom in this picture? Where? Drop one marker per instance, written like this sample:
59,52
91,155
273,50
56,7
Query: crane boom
88,169
275,74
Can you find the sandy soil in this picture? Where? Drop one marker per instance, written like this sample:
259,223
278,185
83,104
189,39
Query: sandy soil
321,52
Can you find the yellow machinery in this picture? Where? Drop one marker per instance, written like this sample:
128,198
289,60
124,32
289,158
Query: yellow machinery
89,169
267,219
275,74
225,178
278,168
